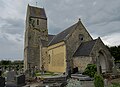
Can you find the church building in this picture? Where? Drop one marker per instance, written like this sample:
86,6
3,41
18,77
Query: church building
72,48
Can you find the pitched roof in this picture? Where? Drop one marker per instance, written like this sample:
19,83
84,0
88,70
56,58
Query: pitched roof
37,12
45,43
85,48
50,37
62,35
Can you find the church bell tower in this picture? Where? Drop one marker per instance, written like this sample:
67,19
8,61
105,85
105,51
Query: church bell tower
36,31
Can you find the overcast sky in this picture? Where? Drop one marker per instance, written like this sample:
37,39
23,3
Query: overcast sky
100,17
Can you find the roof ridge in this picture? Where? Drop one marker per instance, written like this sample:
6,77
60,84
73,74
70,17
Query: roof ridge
62,35
72,30
35,7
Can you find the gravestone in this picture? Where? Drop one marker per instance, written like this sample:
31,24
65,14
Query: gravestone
20,80
11,76
2,82
114,68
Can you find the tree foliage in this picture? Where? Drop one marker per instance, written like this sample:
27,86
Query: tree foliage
98,81
90,70
115,52
9,62
5,62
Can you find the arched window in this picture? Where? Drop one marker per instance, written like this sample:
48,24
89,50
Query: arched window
81,37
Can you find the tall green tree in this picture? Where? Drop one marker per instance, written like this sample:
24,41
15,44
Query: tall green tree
115,52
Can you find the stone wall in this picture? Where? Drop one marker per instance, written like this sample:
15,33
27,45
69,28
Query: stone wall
73,42
44,59
101,48
81,62
36,30
57,57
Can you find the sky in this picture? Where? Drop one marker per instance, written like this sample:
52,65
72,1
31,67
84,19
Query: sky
100,17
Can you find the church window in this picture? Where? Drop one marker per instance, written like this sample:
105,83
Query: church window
33,22
81,37
37,22
49,59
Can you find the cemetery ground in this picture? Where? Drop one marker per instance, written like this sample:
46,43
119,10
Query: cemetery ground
16,77
76,80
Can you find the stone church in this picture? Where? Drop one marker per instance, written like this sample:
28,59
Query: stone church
72,48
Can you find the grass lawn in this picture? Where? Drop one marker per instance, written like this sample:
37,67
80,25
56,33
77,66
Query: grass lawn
46,74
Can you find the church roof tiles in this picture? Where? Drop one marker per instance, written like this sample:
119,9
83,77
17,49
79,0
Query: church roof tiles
62,35
85,48
37,12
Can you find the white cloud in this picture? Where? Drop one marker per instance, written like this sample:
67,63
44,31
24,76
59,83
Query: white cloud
112,39
100,17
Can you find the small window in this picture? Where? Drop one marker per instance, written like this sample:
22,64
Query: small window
49,59
37,22
81,37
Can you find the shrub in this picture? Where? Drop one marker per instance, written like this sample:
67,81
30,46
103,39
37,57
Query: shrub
90,70
98,81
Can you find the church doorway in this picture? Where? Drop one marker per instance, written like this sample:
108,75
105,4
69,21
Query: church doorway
102,61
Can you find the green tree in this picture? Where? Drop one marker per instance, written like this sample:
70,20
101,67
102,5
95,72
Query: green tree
90,70
98,81
115,52
5,62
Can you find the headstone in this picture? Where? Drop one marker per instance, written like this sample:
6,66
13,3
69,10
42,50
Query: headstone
20,80
105,82
2,82
11,76
114,69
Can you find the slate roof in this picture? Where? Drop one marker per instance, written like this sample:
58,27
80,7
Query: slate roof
85,48
50,37
37,12
62,35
